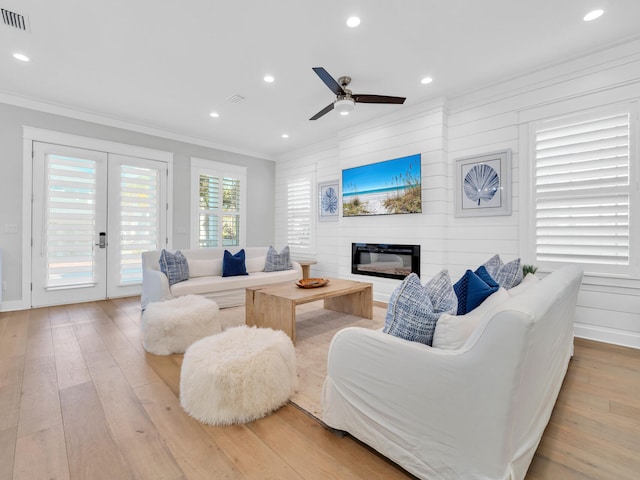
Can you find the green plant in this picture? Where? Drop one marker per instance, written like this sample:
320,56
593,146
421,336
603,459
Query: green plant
529,269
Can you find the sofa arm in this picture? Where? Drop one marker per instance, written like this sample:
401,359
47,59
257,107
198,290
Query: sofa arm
448,407
155,287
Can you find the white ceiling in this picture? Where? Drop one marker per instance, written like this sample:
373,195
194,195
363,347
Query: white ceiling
166,65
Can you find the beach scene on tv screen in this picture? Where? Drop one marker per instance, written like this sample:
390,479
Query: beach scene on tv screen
384,188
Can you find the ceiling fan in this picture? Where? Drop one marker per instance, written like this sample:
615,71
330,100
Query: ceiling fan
345,100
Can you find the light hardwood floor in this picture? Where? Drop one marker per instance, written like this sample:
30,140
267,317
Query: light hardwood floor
80,399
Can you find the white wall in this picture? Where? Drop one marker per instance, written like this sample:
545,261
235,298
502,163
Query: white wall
487,120
260,193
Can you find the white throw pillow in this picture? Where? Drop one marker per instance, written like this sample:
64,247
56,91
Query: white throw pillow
453,330
526,282
256,264
205,267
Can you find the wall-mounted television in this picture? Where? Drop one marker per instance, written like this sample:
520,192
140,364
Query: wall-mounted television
383,188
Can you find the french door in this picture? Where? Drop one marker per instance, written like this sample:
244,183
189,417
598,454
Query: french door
93,214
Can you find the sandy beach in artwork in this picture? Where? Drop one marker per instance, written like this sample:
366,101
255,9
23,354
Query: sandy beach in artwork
374,202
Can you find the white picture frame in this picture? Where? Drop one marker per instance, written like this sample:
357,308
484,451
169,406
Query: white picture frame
329,201
483,185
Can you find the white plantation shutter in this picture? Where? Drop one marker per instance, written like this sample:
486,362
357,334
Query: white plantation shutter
69,220
219,198
300,215
582,191
231,203
208,207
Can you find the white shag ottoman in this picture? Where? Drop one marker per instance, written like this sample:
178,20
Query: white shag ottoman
171,326
238,376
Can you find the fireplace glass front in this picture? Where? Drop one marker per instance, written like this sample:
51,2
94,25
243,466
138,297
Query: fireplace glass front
385,260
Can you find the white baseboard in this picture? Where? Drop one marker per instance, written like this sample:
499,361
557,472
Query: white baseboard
607,335
13,305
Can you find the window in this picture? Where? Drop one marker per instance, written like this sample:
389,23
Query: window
299,214
583,191
218,197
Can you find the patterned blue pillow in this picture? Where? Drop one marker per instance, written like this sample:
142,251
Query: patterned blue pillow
278,261
471,291
507,275
414,310
233,265
441,293
174,266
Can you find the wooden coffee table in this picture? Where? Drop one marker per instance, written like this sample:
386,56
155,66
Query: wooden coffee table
274,306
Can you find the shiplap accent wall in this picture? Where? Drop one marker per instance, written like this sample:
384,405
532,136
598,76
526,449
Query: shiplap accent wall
487,120
421,132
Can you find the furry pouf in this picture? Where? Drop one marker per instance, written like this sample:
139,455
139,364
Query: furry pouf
171,326
238,376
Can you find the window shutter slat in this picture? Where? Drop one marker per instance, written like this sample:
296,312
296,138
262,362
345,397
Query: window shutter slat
582,191
299,213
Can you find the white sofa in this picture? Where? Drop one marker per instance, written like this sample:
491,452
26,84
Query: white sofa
477,412
205,276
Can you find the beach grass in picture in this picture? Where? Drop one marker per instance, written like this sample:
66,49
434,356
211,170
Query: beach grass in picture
384,188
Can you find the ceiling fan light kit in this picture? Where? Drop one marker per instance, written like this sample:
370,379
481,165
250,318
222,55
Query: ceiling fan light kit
344,106
345,100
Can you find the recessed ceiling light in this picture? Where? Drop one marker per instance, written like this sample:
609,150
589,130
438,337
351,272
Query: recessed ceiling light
214,114
269,79
426,80
284,135
21,57
593,15
353,22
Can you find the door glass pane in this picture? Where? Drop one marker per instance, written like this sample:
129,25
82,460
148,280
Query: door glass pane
69,221
139,214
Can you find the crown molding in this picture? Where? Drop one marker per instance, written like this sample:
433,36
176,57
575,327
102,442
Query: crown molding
65,111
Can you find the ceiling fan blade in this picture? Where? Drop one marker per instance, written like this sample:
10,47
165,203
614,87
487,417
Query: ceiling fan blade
329,81
377,99
322,112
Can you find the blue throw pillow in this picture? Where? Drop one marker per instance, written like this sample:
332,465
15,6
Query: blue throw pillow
174,266
471,291
278,261
234,265
412,313
482,272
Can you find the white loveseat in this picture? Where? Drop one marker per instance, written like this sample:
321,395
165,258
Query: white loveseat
205,276
477,412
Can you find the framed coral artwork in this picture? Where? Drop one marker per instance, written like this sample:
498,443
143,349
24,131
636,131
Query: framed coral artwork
483,185
328,201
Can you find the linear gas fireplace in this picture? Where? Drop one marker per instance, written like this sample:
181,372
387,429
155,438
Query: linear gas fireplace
385,260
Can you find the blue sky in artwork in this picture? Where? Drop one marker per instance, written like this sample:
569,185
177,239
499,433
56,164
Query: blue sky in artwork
377,176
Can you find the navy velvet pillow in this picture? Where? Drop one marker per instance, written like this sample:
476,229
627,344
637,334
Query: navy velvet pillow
472,290
482,272
233,265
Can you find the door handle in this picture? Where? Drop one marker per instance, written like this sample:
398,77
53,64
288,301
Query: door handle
103,240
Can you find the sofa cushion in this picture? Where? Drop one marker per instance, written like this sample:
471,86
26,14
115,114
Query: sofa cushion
507,275
174,266
277,262
414,310
529,280
452,331
471,291
217,284
233,265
